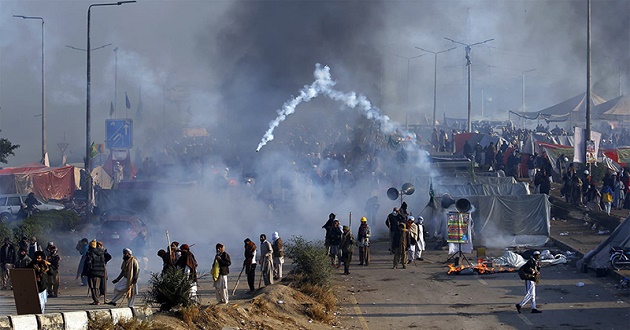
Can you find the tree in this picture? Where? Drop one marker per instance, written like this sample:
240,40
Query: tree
6,149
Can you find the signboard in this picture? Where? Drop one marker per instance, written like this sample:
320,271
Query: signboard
457,227
25,291
119,133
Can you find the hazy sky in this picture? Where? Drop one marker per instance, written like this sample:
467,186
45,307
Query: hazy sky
240,60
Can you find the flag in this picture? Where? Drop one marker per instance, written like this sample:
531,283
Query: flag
431,192
127,103
111,109
93,150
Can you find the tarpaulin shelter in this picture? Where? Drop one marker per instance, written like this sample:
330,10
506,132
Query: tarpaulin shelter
46,182
615,109
512,189
600,256
472,138
502,221
562,111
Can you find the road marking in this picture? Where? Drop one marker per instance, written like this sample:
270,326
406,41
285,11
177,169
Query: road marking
357,311
525,319
480,280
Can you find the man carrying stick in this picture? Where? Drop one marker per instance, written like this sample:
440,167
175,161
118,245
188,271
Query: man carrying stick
126,280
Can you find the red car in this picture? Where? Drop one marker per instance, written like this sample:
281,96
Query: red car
118,229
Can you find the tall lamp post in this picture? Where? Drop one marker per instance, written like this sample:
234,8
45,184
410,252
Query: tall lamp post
407,97
468,48
44,153
88,158
435,77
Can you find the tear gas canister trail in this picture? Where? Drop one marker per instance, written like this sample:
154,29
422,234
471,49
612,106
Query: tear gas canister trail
323,85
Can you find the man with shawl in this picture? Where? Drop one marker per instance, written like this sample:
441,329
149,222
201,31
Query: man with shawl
125,283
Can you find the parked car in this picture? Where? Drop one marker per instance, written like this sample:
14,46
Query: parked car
11,205
118,229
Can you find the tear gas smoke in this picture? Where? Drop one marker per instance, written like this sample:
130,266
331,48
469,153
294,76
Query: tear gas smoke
324,84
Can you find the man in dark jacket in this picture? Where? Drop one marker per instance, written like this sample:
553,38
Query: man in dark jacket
8,257
220,283
399,246
94,269
334,239
530,273
52,256
23,259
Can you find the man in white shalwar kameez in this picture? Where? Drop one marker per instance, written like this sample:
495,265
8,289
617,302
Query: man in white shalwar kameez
126,282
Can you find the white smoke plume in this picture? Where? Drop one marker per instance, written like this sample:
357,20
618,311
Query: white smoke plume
324,84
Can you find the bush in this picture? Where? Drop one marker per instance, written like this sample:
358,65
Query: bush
311,261
123,324
5,231
169,289
46,224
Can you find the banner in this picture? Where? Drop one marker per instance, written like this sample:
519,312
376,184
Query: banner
579,138
457,227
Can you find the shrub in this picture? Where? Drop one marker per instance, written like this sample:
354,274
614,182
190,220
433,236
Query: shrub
311,261
5,231
122,324
169,289
47,224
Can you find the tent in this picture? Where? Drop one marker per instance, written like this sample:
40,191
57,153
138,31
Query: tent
562,111
600,256
46,182
512,189
615,109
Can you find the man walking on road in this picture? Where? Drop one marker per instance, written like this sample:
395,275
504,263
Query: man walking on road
129,272
347,247
530,273
363,237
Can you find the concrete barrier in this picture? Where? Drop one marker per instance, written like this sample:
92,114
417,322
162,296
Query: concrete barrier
142,313
24,322
75,320
121,314
99,314
52,321
5,323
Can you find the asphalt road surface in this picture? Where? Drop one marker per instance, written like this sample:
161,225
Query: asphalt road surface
424,296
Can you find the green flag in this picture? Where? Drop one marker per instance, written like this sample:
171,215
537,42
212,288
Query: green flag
93,150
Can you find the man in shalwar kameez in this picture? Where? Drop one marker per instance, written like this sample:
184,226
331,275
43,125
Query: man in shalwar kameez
126,282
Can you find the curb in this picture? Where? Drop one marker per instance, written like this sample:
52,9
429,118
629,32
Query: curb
75,320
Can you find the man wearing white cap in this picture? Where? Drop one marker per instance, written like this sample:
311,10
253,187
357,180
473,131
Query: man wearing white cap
129,271
530,273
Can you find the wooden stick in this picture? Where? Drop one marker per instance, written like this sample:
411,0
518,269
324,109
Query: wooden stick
238,279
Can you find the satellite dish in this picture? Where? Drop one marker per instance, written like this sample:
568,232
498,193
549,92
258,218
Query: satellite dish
408,189
392,193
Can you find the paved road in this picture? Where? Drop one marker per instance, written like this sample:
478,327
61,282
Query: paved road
423,296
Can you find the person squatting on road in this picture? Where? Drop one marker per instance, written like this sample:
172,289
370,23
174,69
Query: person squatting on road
250,263
363,241
266,260
53,258
278,255
8,258
126,282
530,273
334,239
188,264
399,246
42,270
347,248
222,259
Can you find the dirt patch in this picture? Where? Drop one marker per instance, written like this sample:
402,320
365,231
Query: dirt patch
273,307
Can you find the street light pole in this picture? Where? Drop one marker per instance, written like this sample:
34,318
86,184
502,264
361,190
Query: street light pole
407,97
115,81
44,153
587,98
435,77
468,48
88,158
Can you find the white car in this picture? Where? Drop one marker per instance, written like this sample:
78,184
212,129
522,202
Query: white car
10,205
